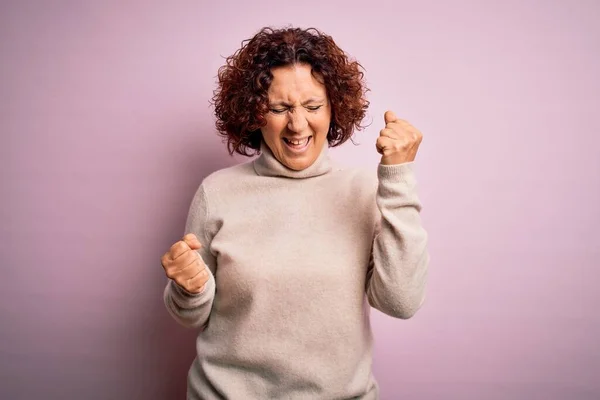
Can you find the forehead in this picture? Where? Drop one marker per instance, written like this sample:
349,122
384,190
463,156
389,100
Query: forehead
294,83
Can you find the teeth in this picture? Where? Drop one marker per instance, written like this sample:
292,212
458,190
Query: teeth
298,142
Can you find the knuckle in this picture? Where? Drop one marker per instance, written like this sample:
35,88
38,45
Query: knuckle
174,247
202,279
170,273
198,288
189,236
195,286
173,252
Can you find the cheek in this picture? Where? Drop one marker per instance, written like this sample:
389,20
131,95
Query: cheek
321,123
275,125
271,128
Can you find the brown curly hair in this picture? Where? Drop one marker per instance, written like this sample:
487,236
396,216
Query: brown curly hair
241,100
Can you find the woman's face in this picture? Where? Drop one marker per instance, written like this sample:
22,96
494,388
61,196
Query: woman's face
298,118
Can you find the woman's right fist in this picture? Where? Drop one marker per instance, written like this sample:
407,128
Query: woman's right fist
183,264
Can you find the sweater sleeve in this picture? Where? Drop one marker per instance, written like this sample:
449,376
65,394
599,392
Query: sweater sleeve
193,310
398,267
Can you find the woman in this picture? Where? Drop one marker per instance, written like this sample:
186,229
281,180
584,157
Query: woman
284,254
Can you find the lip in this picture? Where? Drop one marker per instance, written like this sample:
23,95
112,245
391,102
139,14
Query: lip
298,150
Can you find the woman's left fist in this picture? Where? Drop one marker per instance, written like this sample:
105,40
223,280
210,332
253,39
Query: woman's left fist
399,141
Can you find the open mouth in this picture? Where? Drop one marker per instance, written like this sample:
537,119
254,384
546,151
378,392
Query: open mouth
297,144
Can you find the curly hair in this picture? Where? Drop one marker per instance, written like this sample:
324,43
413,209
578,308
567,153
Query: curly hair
241,101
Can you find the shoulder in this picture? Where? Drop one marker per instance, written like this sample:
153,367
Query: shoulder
360,178
214,184
227,177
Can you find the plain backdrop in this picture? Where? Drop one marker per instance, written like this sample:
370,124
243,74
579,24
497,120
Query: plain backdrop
106,132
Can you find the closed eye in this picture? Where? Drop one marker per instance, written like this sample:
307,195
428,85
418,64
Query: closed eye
282,110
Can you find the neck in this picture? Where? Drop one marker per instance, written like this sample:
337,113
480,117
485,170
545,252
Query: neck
268,165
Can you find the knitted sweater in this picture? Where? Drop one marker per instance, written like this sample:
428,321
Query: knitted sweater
296,258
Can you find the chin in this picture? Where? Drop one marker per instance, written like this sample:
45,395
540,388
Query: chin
300,164
296,166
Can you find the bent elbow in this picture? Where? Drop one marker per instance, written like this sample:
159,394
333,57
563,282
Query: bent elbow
401,308
406,312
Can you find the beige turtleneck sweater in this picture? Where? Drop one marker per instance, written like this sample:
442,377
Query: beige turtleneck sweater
296,258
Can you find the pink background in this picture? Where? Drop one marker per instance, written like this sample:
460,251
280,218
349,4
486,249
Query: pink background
106,132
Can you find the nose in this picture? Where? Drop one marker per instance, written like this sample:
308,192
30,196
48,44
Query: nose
297,121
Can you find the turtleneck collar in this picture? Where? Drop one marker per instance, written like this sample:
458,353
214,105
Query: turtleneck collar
267,165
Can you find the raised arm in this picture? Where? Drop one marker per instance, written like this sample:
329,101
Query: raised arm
399,261
190,267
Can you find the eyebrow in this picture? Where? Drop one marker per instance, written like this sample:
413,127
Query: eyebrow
311,100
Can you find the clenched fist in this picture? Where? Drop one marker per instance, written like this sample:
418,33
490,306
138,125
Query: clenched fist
183,264
398,142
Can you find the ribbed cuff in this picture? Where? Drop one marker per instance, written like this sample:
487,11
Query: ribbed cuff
185,299
404,172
